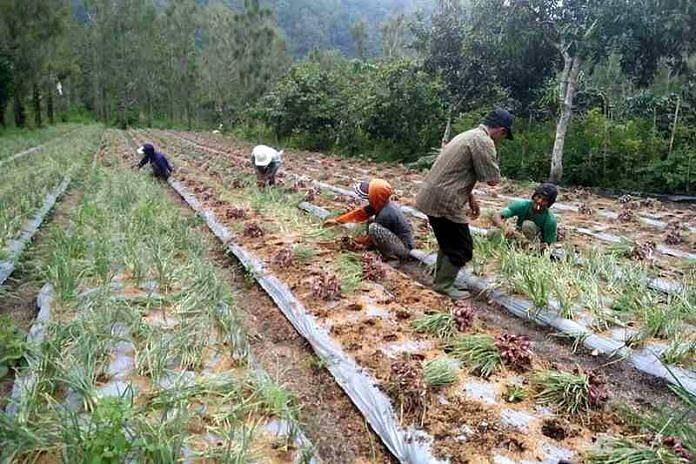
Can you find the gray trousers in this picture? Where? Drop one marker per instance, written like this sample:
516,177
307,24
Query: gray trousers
387,242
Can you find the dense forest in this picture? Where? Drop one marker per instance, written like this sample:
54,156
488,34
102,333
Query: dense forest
603,91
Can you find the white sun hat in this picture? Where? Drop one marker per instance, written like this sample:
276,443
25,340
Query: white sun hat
141,150
263,155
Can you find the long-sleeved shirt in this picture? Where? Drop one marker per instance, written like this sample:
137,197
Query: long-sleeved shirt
468,158
386,212
160,165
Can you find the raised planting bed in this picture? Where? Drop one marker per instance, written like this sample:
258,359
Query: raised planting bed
24,187
138,351
393,329
653,359
14,248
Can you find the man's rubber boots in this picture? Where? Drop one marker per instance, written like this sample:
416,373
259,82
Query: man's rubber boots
445,275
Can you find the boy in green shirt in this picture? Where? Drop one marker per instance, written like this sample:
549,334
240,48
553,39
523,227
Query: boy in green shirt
534,219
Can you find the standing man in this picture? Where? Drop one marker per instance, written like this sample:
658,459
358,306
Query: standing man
534,218
447,189
266,162
160,166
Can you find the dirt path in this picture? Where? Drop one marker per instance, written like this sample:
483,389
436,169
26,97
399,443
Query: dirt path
329,419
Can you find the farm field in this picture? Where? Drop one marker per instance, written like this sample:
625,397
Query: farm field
607,286
140,348
26,181
180,281
405,334
139,351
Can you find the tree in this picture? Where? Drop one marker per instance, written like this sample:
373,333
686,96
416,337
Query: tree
571,27
358,31
179,26
395,37
5,85
451,55
243,55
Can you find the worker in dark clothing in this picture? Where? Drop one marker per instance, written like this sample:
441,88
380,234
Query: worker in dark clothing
389,232
160,166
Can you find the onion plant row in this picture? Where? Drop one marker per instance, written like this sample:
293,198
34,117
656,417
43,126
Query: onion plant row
24,184
191,391
15,141
601,288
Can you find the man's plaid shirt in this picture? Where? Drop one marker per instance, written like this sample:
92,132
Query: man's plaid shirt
468,158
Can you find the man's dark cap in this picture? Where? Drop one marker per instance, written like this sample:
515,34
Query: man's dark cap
500,118
148,148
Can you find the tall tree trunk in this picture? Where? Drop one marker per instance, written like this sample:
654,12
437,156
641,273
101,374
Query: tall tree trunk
36,99
149,110
49,102
568,85
20,116
674,127
2,115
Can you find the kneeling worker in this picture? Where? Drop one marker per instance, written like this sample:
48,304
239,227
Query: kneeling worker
160,166
390,232
266,162
534,218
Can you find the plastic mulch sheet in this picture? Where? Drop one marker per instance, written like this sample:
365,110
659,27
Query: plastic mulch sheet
15,247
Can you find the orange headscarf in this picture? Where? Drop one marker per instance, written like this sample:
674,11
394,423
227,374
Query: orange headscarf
378,194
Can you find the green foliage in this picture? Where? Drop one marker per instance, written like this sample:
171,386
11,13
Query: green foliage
107,441
356,107
629,452
12,345
440,324
601,152
349,271
566,391
515,393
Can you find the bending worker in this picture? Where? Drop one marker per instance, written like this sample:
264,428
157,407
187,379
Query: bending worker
160,166
266,162
390,232
534,218
447,189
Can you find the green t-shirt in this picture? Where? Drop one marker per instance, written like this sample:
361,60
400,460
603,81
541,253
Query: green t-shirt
545,221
